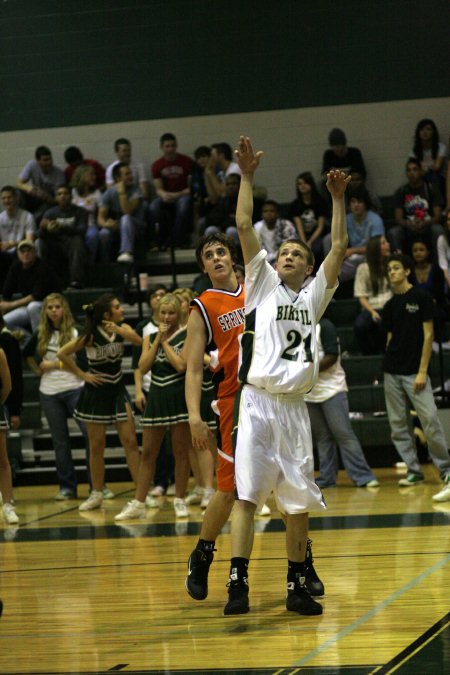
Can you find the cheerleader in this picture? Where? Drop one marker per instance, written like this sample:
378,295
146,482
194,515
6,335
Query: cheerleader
104,399
165,407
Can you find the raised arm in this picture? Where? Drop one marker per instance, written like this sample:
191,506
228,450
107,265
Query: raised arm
248,161
337,182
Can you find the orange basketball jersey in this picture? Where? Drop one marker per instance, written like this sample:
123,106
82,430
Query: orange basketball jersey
223,314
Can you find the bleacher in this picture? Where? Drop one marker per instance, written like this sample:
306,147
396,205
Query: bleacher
31,451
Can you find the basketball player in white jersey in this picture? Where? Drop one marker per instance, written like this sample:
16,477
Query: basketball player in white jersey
272,435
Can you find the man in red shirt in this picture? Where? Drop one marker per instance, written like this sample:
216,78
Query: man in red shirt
172,206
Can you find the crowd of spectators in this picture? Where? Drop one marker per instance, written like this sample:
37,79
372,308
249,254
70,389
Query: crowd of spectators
57,222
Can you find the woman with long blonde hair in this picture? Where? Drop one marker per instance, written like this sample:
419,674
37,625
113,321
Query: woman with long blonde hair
59,388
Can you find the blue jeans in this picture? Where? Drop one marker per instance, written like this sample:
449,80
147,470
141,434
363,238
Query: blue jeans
174,220
400,396
330,425
58,408
26,317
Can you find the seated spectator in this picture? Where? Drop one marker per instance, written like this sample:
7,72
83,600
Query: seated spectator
418,210
328,411
309,212
222,216
15,225
39,180
74,158
122,215
362,225
218,168
31,280
340,156
172,208
272,230
122,148
359,182
373,291
430,277
62,232
443,247
200,199
430,152
86,195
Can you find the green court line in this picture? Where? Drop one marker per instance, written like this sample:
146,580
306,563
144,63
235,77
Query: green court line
373,612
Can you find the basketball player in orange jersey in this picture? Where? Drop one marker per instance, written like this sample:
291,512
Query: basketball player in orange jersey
215,324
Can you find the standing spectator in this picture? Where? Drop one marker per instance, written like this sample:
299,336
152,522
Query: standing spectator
104,399
74,158
15,225
31,280
373,291
172,208
122,148
273,230
430,152
39,180
59,389
329,416
309,213
341,156
86,195
408,321
122,214
9,512
62,231
418,210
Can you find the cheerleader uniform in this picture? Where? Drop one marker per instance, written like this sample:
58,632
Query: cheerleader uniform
106,403
4,425
166,403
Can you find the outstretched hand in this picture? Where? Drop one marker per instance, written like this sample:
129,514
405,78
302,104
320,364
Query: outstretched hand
337,182
247,159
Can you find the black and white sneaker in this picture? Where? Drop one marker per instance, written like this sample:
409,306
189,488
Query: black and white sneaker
299,600
197,578
237,597
313,583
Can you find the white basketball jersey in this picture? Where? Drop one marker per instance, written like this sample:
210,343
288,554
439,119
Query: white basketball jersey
279,351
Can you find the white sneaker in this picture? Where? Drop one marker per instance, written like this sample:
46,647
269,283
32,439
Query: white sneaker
181,510
158,491
94,501
107,493
125,258
151,502
207,494
195,496
9,514
264,511
442,496
170,492
133,509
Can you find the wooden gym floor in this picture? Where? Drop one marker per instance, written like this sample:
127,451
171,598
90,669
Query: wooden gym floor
83,594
